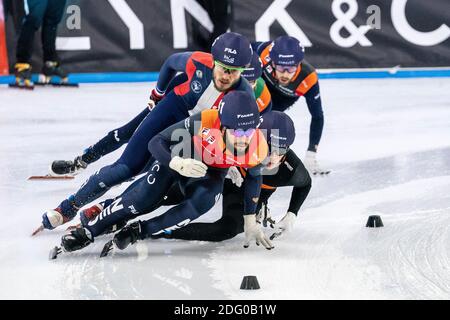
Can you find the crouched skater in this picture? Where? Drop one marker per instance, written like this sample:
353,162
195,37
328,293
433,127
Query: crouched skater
217,140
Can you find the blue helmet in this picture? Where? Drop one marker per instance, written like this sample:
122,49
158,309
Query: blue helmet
287,51
254,70
278,128
232,49
238,110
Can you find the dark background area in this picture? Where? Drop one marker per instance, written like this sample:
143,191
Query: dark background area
110,37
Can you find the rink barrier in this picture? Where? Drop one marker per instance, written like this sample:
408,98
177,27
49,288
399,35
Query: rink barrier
323,74
3,51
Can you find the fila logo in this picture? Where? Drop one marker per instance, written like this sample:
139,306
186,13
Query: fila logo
232,51
205,131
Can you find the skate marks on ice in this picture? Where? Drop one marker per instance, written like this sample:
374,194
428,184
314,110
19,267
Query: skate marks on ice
378,173
154,269
332,255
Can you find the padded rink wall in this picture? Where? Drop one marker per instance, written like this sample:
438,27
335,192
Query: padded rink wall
3,51
128,40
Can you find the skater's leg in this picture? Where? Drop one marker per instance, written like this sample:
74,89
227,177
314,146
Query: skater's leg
52,17
228,226
118,137
96,186
111,142
114,139
34,14
132,161
172,197
168,111
141,197
223,229
200,196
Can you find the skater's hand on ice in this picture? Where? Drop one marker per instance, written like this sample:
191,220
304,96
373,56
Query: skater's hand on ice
264,216
286,224
188,167
312,165
235,176
155,97
253,231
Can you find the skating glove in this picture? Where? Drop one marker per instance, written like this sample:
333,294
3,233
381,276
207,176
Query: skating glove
253,231
188,167
312,165
286,224
264,216
155,97
52,219
235,176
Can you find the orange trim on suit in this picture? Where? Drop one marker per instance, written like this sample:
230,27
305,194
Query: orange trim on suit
198,56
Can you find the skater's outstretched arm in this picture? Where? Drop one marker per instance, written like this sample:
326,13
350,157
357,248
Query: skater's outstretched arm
315,132
314,103
252,190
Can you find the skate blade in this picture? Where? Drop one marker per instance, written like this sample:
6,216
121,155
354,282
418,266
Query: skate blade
54,253
106,249
57,84
40,229
50,177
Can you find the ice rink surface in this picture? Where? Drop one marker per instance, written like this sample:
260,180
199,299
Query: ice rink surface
387,142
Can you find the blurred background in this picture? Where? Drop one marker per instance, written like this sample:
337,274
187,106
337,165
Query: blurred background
137,35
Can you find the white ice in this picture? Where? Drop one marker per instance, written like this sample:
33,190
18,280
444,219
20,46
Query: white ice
387,142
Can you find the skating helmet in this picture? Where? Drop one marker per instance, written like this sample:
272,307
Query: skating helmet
232,50
287,51
254,70
279,129
238,110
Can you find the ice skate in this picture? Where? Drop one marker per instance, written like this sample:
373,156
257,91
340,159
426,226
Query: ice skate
22,73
